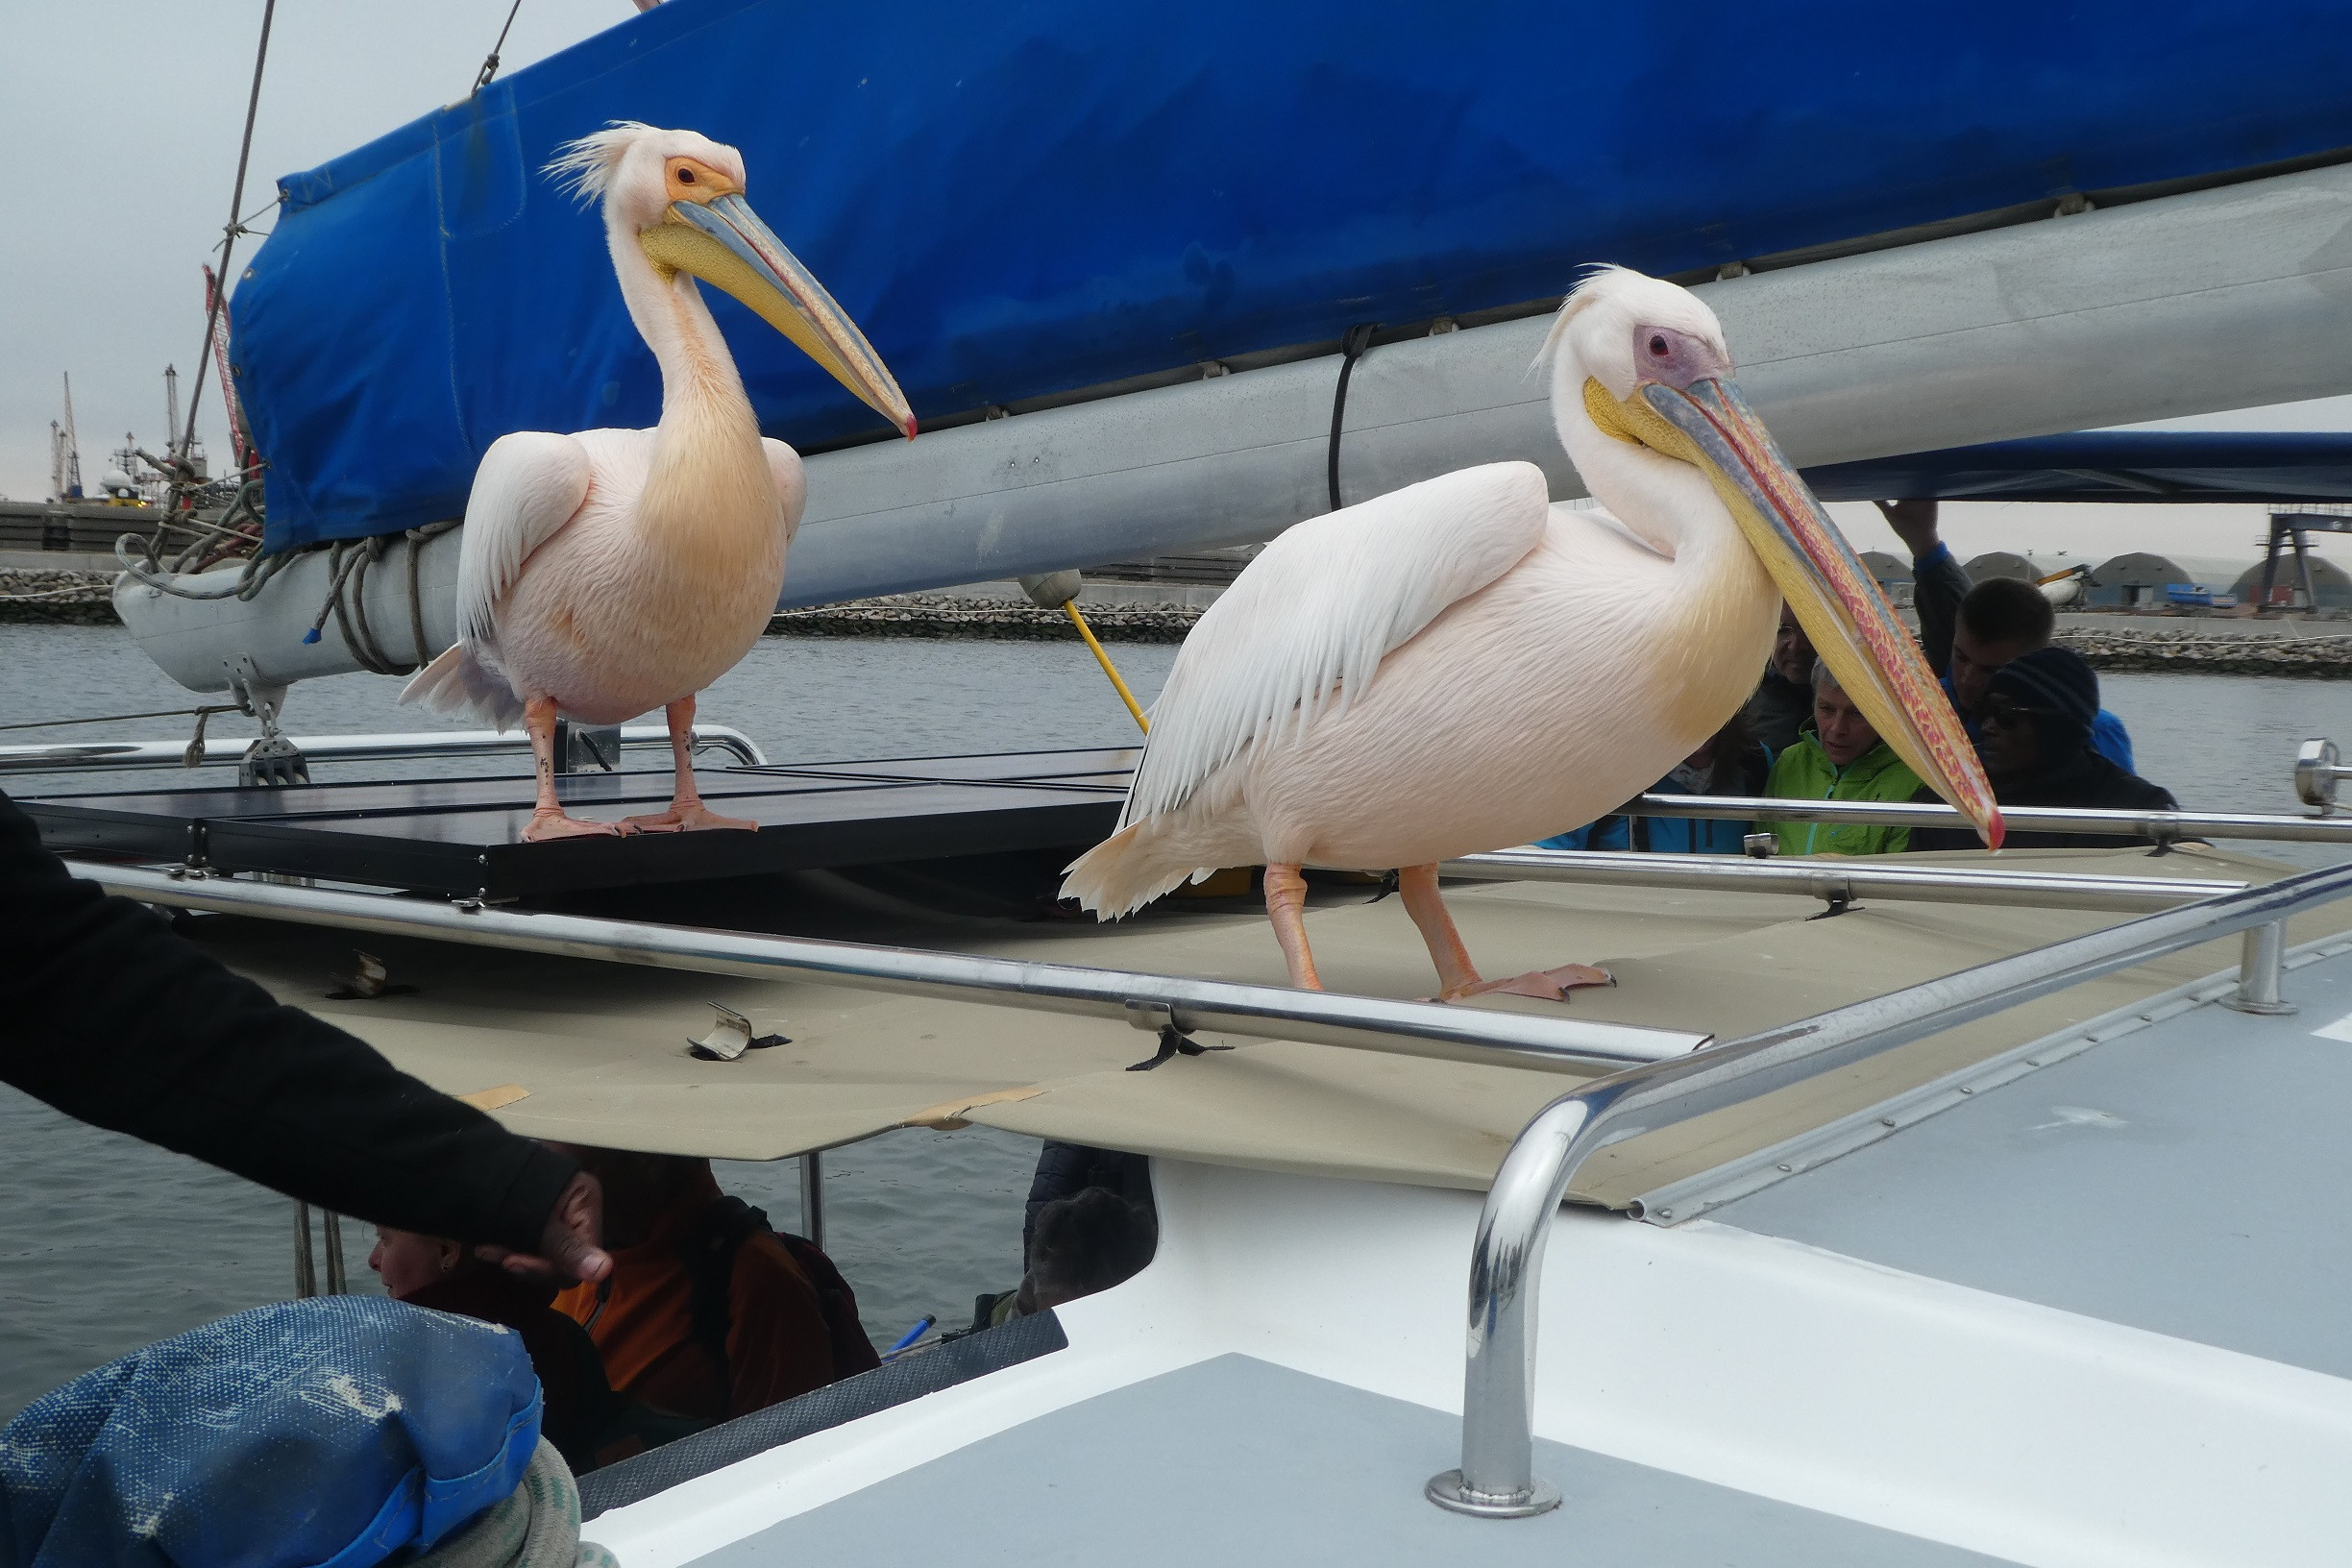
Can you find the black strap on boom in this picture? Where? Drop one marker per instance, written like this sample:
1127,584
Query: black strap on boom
1352,348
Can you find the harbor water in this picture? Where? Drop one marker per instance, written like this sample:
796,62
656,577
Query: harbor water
106,1244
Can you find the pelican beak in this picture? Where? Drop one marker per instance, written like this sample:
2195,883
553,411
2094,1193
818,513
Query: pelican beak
1852,627
724,242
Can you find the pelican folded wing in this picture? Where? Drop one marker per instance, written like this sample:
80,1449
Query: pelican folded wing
1309,620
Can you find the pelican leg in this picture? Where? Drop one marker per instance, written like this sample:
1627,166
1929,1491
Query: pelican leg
1457,976
548,819
687,813
1286,896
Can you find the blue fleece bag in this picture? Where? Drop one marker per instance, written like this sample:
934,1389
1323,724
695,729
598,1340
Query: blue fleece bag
334,1432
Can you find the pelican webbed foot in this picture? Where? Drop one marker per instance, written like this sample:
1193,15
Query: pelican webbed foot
1544,985
687,816
546,824
548,820
687,813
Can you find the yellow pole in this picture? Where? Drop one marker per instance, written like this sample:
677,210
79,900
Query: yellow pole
1104,659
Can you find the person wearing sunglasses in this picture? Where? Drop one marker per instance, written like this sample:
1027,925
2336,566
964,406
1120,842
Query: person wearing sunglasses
2035,737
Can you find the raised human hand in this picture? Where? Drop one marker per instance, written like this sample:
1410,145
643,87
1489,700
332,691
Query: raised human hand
1914,523
570,1248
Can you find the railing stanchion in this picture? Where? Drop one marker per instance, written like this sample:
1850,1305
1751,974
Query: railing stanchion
306,1266
812,1197
331,1224
2258,971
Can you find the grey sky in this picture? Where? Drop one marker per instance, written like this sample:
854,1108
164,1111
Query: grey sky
125,116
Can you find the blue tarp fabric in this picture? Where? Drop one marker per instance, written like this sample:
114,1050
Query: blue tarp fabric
1022,199
333,1433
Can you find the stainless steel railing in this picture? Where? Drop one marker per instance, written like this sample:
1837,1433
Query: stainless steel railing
81,756
1840,881
1497,1478
1172,1006
2163,826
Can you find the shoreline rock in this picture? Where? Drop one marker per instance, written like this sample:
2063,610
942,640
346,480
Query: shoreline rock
2188,650
77,598
944,615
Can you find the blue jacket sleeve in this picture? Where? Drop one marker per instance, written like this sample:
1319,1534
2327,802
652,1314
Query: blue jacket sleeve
2110,740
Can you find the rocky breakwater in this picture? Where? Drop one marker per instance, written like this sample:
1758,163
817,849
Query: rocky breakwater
73,598
2242,650
947,614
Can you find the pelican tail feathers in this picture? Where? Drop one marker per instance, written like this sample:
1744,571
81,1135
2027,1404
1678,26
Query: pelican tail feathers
1128,870
458,684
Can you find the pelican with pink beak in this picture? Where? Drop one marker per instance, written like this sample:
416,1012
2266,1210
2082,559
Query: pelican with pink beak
1462,665
605,573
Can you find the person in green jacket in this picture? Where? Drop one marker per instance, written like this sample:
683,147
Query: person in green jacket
1839,757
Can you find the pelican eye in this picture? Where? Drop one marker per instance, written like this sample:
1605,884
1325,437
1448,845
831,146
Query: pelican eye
686,178
1657,345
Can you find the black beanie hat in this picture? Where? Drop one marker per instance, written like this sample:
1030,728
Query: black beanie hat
2054,679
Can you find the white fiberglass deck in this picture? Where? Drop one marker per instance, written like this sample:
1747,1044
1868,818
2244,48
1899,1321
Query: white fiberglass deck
1236,1459
2192,1178
2091,1318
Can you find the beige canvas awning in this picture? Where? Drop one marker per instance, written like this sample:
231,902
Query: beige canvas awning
596,1053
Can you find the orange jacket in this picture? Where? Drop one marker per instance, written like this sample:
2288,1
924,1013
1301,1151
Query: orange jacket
777,1343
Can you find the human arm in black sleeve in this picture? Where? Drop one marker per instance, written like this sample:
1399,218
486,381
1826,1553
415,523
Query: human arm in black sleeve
110,1017
1939,582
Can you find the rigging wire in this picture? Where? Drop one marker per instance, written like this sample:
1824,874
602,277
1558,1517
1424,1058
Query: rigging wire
119,718
228,242
490,66
244,222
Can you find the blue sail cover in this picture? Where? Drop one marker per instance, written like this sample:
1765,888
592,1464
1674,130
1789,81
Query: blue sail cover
1021,198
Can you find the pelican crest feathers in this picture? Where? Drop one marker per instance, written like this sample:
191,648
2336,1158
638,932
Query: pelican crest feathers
1580,294
584,166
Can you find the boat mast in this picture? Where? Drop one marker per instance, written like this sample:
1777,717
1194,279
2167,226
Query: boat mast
173,445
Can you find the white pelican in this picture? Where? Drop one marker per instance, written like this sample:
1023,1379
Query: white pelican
609,573
1460,666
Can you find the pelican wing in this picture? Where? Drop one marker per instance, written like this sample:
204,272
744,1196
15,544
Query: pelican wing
790,482
1308,623
529,485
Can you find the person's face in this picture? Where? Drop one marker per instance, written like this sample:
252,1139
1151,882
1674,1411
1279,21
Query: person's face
1973,662
2008,739
410,1262
1792,655
1845,734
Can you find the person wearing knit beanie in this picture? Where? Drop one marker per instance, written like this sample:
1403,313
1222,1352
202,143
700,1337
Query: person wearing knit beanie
2056,688
2035,735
